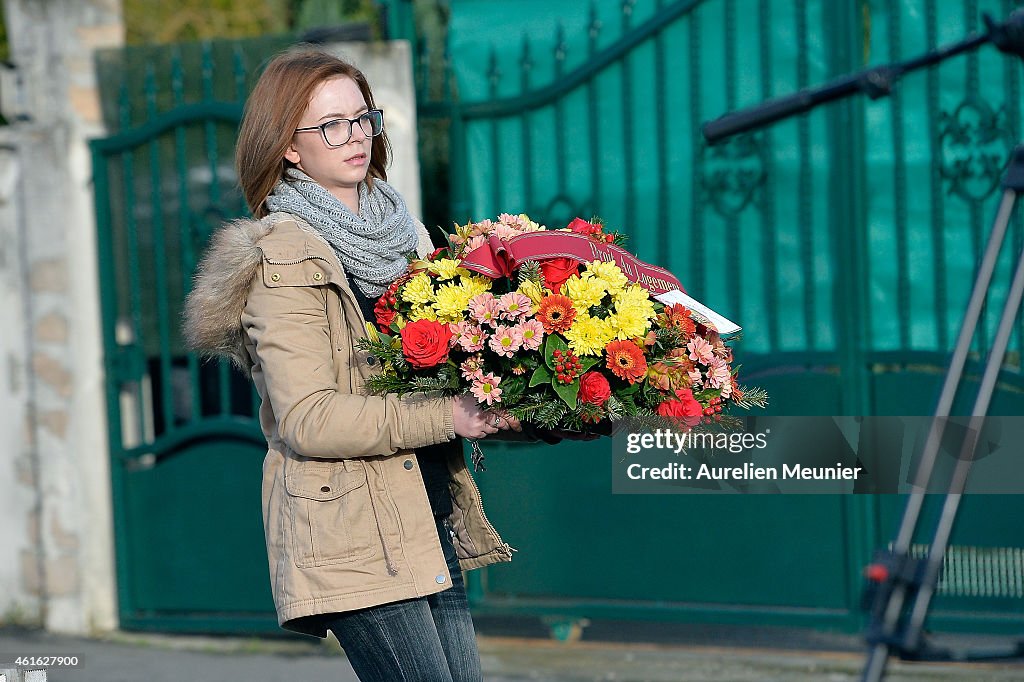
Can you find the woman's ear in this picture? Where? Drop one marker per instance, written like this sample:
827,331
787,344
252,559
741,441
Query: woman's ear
292,155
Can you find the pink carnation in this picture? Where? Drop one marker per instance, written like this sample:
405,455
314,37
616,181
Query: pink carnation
718,373
475,242
700,350
505,341
513,305
485,389
532,334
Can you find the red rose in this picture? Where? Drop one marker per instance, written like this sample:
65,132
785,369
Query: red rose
384,313
684,405
581,226
557,270
594,389
425,343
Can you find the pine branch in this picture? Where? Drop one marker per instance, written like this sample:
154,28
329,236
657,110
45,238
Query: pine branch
752,397
530,271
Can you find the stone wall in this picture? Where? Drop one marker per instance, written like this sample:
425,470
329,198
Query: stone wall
56,526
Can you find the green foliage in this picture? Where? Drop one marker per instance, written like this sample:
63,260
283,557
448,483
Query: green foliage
148,22
530,271
568,392
315,13
541,375
753,397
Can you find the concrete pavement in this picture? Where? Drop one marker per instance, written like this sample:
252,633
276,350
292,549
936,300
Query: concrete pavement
132,657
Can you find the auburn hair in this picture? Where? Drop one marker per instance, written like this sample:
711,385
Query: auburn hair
273,111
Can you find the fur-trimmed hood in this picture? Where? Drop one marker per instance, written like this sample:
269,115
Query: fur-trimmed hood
213,309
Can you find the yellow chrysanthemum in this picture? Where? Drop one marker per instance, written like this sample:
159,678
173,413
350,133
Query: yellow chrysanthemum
452,302
530,225
584,291
628,323
476,284
635,298
532,290
589,335
609,273
422,312
418,290
446,268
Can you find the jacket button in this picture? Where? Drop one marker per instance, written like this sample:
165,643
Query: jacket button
440,579
325,489
317,276
408,464
276,277
371,360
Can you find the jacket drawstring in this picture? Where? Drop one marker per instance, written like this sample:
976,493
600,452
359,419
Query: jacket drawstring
392,569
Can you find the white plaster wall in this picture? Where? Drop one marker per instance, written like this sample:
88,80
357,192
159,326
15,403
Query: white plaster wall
18,605
388,68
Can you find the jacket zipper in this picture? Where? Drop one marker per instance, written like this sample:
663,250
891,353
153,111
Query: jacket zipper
294,261
480,500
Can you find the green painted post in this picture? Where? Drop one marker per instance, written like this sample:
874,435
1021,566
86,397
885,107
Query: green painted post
159,255
769,238
525,65
847,187
185,227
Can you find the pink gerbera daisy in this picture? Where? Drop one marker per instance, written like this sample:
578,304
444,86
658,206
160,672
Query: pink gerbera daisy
485,389
505,341
483,308
469,336
532,333
513,305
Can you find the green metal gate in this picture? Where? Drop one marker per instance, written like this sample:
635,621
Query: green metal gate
844,241
186,449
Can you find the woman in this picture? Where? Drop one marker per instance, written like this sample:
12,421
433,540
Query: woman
369,510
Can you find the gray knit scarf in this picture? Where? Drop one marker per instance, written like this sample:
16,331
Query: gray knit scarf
372,245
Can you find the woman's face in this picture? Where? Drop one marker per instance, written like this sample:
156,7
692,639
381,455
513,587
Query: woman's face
338,169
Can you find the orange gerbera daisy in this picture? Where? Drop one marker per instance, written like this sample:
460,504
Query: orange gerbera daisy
626,360
678,316
556,313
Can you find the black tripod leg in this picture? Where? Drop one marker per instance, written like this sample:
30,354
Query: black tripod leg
963,466
883,635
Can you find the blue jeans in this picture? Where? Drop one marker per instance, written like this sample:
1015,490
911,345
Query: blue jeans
427,639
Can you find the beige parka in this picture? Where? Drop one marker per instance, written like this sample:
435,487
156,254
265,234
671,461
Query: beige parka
345,513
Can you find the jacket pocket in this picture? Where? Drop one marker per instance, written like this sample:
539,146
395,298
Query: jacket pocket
332,516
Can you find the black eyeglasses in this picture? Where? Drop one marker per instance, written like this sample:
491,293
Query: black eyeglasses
338,131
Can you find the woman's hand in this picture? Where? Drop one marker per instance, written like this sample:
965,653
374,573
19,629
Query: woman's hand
472,422
469,421
505,421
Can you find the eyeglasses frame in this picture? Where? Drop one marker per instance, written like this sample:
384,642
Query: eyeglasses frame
351,122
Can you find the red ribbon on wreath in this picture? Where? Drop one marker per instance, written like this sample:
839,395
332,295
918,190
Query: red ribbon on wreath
502,257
